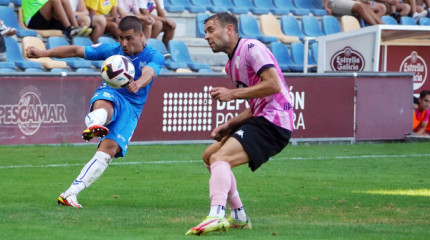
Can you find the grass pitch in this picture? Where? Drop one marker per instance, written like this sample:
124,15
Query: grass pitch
362,191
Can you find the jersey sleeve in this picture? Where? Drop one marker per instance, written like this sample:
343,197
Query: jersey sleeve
99,51
257,57
156,61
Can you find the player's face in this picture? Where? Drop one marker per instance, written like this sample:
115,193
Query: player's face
425,102
217,36
131,42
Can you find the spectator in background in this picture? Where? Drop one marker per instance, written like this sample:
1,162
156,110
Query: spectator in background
417,10
51,14
130,7
379,8
5,30
108,9
351,7
422,114
96,23
162,23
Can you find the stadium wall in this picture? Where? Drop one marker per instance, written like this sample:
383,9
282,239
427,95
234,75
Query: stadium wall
50,108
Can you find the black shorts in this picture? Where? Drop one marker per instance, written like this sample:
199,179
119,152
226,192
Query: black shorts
261,139
39,22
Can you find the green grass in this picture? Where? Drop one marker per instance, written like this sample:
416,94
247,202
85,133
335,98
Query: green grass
361,191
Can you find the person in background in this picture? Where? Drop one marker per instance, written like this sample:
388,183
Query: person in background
422,114
130,7
96,23
109,10
352,7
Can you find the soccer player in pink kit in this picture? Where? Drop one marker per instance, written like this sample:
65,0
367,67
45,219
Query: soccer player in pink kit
255,134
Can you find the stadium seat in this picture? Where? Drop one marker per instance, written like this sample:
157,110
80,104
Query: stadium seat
43,33
298,53
59,70
47,62
208,5
270,27
10,19
389,20
169,63
248,28
6,70
307,4
290,27
17,3
106,39
330,25
7,64
169,7
271,7
349,23
314,52
250,6
180,53
33,70
200,24
13,54
188,6
425,21
229,5
287,4
282,56
85,41
84,70
311,27
206,70
404,20
74,62
4,2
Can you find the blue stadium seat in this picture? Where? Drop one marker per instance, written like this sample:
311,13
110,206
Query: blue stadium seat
290,26
282,56
311,27
84,70
106,39
330,25
13,54
84,41
200,24
169,63
6,70
250,6
404,20
307,4
269,5
180,53
7,64
58,70
188,6
248,28
208,5
389,20
33,70
425,21
169,7
297,54
229,5
289,5
10,19
4,2
314,52
74,62
17,3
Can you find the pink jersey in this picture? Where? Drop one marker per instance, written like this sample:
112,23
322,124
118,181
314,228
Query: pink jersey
250,57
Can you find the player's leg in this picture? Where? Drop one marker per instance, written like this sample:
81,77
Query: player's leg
99,25
231,154
97,119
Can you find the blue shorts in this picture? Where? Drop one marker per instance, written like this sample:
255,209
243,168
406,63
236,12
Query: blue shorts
124,118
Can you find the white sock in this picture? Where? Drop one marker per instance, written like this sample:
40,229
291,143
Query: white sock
217,211
238,214
90,173
96,117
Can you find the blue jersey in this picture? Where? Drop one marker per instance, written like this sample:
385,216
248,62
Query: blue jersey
148,57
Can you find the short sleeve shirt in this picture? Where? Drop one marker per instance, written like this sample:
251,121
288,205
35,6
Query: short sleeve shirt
250,58
101,6
150,5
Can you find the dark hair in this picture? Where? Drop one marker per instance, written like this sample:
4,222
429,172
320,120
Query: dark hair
424,93
225,18
130,22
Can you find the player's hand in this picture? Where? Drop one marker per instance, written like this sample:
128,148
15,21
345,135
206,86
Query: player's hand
33,52
133,87
220,132
222,94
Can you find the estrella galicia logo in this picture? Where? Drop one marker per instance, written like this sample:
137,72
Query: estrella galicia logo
416,64
347,59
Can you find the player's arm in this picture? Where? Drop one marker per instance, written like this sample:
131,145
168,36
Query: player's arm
148,74
422,130
269,85
225,129
57,52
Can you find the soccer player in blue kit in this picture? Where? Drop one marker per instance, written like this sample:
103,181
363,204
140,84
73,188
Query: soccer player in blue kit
113,112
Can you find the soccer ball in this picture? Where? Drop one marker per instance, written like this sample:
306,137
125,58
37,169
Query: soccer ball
117,71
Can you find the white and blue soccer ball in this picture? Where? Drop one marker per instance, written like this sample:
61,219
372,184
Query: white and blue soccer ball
117,71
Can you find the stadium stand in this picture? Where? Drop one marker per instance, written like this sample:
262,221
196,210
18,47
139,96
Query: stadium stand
307,4
251,7
282,56
16,2
43,33
46,62
73,62
188,6
389,20
9,17
4,2
270,26
7,70
106,39
200,25
287,4
169,63
33,70
271,7
14,55
311,27
85,41
349,23
330,25
209,6
169,7
290,26
229,5
314,52
405,20
424,21
7,65
298,56
180,53
248,28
